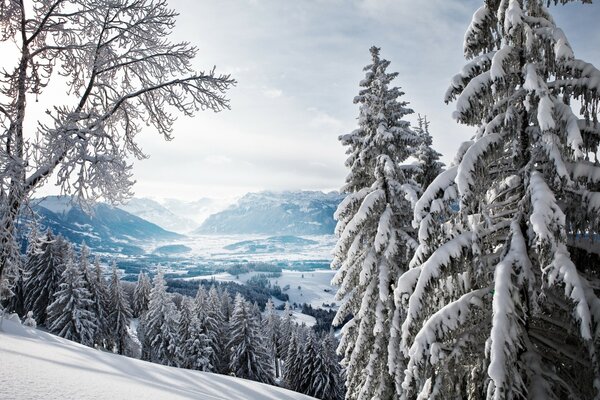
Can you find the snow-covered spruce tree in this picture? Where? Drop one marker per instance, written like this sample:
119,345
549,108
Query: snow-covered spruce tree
292,370
45,270
161,325
499,310
286,327
195,351
68,314
101,306
99,290
374,229
216,326
141,295
249,354
120,313
326,383
311,367
428,159
17,302
88,139
271,325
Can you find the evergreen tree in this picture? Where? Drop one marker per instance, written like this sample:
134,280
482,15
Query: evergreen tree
310,365
428,159
293,363
285,332
327,384
249,356
497,305
45,268
17,302
271,332
100,297
195,347
141,294
374,230
161,325
120,313
69,315
216,327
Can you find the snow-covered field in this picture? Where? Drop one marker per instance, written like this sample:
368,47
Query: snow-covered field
38,365
310,287
213,247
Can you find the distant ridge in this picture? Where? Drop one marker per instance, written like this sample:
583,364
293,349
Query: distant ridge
105,229
277,213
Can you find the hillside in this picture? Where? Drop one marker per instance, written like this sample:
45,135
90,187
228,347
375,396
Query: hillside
154,212
39,365
276,213
105,229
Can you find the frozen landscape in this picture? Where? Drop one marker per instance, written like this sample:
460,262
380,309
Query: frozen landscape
35,364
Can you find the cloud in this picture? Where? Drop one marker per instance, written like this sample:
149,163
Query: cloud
272,93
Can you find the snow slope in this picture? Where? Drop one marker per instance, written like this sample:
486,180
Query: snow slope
37,365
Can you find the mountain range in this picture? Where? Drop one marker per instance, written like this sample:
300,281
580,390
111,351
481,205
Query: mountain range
276,213
103,228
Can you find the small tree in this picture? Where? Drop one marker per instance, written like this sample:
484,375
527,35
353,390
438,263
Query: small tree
293,363
249,355
45,268
121,73
141,294
69,315
120,313
160,326
428,159
195,346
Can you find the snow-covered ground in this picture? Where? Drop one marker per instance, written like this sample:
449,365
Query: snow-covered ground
38,365
310,287
213,247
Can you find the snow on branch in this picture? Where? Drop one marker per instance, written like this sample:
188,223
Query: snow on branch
430,270
546,217
563,270
440,183
504,335
464,174
444,321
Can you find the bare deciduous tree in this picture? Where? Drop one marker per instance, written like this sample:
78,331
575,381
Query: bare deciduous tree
121,73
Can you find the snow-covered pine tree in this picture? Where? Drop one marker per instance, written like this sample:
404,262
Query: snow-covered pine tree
325,382
161,325
210,320
271,325
17,302
499,310
141,295
216,326
120,313
195,351
68,314
285,332
292,370
45,270
100,297
249,355
374,229
311,365
428,159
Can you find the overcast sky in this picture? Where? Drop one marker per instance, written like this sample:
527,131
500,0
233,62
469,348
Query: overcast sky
298,64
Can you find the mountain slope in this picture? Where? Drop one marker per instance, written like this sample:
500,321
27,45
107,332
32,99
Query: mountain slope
276,213
107,229
38,365
156,213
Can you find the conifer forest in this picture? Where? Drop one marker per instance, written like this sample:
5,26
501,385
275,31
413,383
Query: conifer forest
437,267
